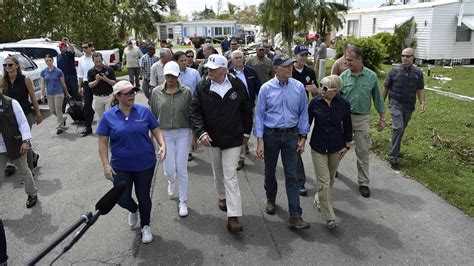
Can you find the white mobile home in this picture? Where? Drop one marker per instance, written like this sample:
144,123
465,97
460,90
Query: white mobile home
445,29
177,32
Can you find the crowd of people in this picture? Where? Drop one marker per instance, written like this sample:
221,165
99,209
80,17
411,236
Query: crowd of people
218,100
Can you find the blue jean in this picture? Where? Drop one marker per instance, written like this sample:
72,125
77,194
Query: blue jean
400,121
142,181
71,84
284,142
3,244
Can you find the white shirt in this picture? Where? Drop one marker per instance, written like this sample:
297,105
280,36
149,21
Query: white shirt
132,55
22,125
85,63
240,74
156,74
221,89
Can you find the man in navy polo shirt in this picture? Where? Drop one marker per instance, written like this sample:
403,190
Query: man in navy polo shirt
65,62
307,76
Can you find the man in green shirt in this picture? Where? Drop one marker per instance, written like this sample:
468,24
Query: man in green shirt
360,85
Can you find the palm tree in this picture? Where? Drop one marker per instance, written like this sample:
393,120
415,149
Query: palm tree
327,15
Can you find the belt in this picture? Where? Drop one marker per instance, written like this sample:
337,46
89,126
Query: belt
358,114
281,130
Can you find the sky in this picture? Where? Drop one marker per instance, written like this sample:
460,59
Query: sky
186,7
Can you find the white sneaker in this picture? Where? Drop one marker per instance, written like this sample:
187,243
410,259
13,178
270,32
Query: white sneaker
147,236
183,209
132,218
171,188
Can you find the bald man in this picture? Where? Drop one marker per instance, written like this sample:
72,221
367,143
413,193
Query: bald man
403,84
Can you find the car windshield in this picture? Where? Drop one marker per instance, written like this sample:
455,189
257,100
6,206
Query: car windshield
25,63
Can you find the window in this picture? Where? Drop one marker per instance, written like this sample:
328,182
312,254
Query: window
353,28
170,33
463,34
227,30
217,31
374,25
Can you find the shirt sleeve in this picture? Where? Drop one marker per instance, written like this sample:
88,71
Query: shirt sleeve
377,96
389,79
103,129
90,75
303,123
21,120
111,73
260,113
80,70
153,76
153,122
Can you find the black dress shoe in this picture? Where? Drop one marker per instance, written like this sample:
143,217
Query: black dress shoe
31,201
86,132
302,190
59,131
190,157
364,191
240,165
270,208
10,170
35,160
394,164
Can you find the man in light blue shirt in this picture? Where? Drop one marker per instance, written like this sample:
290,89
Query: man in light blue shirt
187,76
281,125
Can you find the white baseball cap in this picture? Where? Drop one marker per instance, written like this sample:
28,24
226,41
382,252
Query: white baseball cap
123,86
216,61
171,68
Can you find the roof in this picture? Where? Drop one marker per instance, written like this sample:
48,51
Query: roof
468,21
201,22
402,7
391,23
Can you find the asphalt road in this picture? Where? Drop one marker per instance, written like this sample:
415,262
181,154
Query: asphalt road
402,223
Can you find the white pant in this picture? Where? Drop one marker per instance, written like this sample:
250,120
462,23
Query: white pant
178,142
224,167
55,103
101,104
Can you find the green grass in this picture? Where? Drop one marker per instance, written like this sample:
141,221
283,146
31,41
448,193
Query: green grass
461,82
438,146
122,72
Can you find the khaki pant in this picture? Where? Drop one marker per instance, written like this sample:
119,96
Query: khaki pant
361,130
101,104
224,168
55,103
22,170
325,166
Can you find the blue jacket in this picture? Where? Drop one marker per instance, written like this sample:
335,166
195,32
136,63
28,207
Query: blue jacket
253,82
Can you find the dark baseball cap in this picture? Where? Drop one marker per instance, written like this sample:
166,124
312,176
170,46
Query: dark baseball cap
301,49
282,60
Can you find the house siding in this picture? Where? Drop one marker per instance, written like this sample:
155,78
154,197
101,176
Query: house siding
436,28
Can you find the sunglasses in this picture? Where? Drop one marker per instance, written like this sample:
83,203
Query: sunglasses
85,47
8,65
190,56
130,94
406,55
326,88
233,44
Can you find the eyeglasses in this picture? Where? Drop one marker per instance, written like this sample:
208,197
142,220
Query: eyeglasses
8,65
326,88
130,94
190,56
85,47
233,44
407,55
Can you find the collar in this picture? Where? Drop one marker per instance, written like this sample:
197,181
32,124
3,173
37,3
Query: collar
117,109
162,87
220,84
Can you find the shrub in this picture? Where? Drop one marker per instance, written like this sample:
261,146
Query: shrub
392,45
374,51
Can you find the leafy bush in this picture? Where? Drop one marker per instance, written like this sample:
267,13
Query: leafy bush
392,44
374,51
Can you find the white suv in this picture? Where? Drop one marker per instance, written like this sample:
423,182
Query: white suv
37,49
28,68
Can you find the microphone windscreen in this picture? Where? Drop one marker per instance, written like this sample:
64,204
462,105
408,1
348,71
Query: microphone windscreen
108,201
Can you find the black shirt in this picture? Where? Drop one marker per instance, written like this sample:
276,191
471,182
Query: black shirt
307,76
102,88
19,92
332,124
403,84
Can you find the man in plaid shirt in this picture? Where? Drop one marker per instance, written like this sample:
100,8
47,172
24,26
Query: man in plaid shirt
147,61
